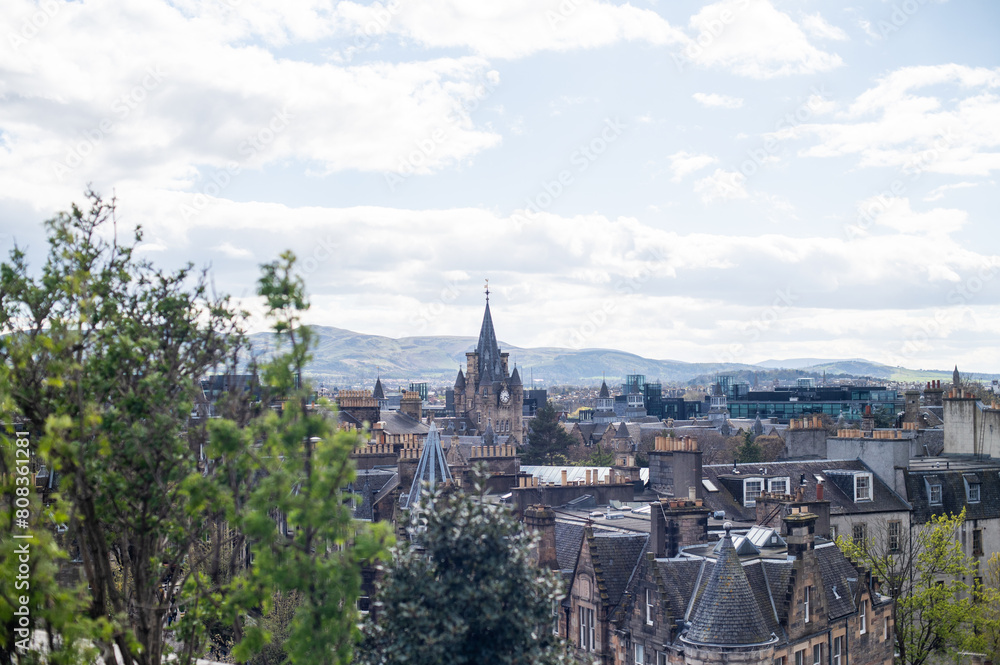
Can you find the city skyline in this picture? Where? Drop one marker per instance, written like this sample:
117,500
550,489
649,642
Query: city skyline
708,182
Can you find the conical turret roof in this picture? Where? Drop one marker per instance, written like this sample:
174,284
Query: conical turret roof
460,381
490,368
431,469
378,393
728,614
515,378
605,393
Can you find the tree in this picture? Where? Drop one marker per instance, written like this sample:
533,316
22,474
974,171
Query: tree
101,354
748,452
466,591
599,457
547,440
304,464
922,570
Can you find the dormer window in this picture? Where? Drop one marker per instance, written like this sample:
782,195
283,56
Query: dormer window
972,487
752,488
935,495
862,487
778,485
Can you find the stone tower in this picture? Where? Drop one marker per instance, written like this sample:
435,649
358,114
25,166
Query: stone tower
488,393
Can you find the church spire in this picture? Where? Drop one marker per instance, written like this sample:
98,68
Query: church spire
490,368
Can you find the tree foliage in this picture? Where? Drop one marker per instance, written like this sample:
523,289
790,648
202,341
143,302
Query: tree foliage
100,358
467,591
547,442
924,572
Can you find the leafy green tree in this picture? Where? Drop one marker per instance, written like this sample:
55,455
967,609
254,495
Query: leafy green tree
466,591
314,551
101,354
547,440
923,571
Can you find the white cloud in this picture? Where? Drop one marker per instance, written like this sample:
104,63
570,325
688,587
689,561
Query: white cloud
938,192
684,163
721,186
896,214
234,252
519,28
891,125
817,26
752,38
716,100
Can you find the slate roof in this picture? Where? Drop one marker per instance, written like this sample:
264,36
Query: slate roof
397,422
679,578
378,393
954,491
569,536
490,368
460,381
729,497
431,469
605,393
615,557
369,484
515,378
836,571
727,613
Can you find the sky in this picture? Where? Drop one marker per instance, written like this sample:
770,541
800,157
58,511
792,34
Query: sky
727,181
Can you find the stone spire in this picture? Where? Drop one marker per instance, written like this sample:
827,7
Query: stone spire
490,368
956,378
728,614
431,469
605,393
378,393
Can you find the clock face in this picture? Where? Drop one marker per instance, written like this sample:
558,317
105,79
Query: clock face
504,396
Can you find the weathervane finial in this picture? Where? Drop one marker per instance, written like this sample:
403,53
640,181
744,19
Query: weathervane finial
487,287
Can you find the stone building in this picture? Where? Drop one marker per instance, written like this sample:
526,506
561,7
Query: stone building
767,598
488,393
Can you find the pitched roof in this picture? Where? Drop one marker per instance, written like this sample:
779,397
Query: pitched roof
615,557
728,613
431,469
490,368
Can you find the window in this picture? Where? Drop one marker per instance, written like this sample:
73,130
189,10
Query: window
973,492
586,629
800,657
649,607
805,604
893,533
661,658
640,654
935,495
863,487
833,532
863,618
977,542
752,488
780,660
837,648
555,617
860,532
778,485
817,654
885,629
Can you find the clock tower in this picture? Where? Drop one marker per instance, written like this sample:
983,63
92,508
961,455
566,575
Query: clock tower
488,393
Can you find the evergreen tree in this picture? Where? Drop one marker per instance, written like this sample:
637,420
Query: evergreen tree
465,592
548,442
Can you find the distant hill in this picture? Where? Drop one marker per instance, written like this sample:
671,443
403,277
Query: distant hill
345,358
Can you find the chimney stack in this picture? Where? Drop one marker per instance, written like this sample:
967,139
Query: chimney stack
543,520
